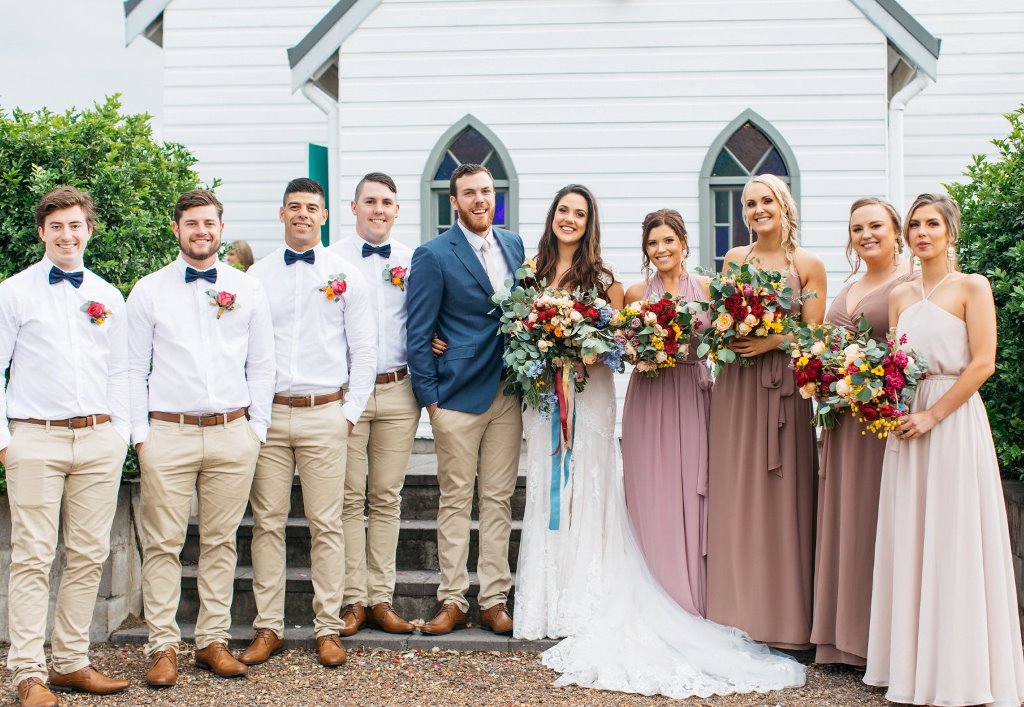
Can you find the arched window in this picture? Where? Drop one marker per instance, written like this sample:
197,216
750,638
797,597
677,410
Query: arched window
468,141
748,146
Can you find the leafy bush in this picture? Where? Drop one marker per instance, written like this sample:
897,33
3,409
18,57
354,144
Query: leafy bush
992,243
133,179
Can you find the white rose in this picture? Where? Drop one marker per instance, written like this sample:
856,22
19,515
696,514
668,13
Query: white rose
842,388
630,350
599,303
750,320
576,316
589,359
818,348
661,357
723,321
532,317
743,328
543,345
760,331
807,390
768,317
650,318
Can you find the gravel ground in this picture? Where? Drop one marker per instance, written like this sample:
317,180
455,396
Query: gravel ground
379,677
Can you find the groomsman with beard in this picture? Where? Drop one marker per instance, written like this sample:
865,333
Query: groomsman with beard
62,330
326,341
379,446
478,430
201,367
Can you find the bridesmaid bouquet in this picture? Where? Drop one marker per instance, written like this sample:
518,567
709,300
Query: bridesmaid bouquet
550,331
655,333
745,301
880,380
818,363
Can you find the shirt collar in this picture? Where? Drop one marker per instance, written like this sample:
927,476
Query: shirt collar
475,240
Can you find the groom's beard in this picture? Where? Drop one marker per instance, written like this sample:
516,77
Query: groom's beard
477,223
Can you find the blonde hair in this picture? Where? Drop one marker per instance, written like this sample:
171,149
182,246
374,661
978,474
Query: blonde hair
243,252
790,218
894,217
950,213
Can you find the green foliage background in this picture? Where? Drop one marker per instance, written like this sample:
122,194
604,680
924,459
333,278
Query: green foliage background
992,243
133,179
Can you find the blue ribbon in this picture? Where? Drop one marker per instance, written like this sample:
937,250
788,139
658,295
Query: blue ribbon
559,468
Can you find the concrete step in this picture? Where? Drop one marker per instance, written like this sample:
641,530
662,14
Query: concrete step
468,639
417,544
415,595
420,494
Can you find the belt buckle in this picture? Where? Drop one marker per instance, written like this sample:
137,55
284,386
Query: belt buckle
293,398
199,419
71,421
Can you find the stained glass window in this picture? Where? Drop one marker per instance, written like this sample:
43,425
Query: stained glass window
747,152
469,146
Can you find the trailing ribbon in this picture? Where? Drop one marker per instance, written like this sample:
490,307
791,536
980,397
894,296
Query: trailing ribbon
562,431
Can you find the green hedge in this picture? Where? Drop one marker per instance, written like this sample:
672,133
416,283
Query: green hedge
992,243
134,180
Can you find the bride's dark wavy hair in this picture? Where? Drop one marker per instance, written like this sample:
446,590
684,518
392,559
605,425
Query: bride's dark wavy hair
587,269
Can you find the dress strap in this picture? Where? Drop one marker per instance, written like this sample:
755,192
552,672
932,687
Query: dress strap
937,285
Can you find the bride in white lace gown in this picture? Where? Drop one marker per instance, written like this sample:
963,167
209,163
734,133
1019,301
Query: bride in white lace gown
587,581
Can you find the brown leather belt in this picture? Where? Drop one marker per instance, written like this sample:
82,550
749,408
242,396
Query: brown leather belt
73,423
210,420
393,376
307,401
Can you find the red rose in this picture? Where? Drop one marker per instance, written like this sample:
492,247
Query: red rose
225,299
828,378
887,411
671,347
339,287
95,309
869,413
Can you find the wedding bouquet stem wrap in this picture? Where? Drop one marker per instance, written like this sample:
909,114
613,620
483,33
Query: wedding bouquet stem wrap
562,430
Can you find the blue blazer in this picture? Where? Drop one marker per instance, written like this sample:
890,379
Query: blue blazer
449,293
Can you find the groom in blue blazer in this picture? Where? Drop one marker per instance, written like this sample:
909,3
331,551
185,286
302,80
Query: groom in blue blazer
477,429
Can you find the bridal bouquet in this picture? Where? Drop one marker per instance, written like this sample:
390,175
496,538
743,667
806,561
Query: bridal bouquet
655,333
818,363
550,331
879,380
745,301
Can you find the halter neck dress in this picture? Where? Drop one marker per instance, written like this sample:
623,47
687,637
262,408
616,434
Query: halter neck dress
848,481
944,623
665,465
761,501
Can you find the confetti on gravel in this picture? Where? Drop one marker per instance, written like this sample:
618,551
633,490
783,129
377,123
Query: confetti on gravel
448,678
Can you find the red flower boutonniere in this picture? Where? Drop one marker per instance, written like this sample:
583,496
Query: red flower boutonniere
335,287
97,312
396,276
223,301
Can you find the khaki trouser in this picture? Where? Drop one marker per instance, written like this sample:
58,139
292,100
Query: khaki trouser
313,438
175,460
54,473
484,448
378,452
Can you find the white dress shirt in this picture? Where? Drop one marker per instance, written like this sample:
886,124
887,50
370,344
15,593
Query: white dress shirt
183,359
62,364
493,260
322,345
386,300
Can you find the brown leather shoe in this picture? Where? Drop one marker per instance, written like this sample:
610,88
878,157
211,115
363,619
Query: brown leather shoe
262,647
33,693
87,679
163,669
330,651
496,618
384,617
353,618
449,617
219,660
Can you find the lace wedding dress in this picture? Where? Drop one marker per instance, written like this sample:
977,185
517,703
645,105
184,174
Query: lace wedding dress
587,581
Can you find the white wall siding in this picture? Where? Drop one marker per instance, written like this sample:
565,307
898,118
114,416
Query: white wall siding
227,96
623,97
981,77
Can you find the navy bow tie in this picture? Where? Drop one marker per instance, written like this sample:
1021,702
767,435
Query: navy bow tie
290,256
56,275
191,275
382,250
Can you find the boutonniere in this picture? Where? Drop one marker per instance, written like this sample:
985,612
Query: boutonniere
335,286
396,276
223,301
97,312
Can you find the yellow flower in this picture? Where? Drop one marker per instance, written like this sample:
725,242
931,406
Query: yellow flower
864,367
100,320
657,343
802,362
878,371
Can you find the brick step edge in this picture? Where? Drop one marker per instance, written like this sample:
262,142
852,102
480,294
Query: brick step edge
299,525
467,639
407,582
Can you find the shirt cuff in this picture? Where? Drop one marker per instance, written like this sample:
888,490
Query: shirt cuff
351,412
260,430
139,434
